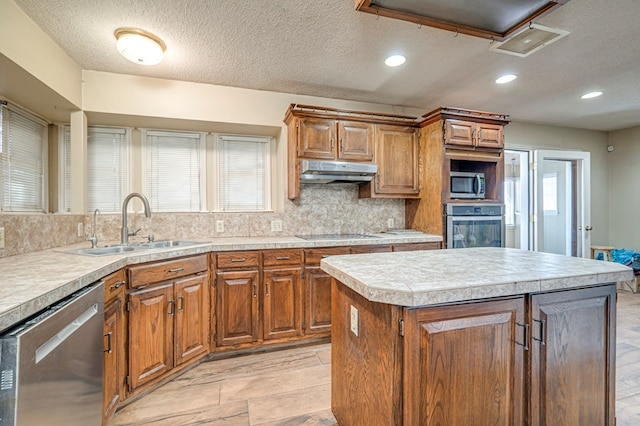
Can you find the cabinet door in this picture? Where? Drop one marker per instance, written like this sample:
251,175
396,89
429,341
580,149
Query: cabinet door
150,333
282,305
458,132
397,159
464,364
317,138
489,136
192,318
237,310
317,301
572,357
355,141
114,367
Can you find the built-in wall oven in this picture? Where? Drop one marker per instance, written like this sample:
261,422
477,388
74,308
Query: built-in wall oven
475,225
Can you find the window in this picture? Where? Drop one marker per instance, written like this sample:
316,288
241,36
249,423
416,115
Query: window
107,168
23,139
243,168
550,193
173,179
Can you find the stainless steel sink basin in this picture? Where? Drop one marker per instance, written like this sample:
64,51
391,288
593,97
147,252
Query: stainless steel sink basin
100,251
167,243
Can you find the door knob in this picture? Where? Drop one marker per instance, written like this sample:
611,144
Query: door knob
588,228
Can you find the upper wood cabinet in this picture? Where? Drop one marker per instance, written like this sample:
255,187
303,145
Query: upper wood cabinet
471,135
327,139
332,134
397,156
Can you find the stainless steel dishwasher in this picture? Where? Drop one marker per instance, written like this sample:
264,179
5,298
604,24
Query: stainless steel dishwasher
51,365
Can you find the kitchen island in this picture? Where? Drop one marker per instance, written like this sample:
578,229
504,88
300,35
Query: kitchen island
473,336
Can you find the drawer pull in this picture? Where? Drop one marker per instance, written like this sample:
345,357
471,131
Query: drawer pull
116,285
108,336
255,290
176,270
181,306
267,285
282,257
241,259
172,307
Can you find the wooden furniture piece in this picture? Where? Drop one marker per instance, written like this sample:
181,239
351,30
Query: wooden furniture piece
114,368
389,140
402,356
168,317
606,252
455,140
282,295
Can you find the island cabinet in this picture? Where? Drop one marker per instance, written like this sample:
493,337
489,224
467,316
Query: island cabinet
114,368
536,359
168,317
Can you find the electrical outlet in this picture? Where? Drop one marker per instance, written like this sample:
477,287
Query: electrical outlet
390,223
80,229
219,225
354,320
276,226
1,238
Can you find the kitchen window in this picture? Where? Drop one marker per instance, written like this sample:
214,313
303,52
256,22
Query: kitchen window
23,150
173,176
243,172
107,168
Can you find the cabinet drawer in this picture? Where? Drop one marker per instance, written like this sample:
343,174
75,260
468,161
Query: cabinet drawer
314,256
238,259
370,249
167,270
114,284
416,246
281,257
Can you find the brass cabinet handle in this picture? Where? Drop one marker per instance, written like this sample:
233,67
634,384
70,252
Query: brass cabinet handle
267,285
108,336
255,290
117,285
176,270
241,259
181,305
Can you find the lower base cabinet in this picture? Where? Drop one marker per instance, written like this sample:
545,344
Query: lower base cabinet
538,359
114,365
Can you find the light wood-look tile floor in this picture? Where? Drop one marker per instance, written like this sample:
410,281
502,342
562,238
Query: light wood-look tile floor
292,387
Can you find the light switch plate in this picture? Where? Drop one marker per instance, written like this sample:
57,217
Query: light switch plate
390,223
80,229
354,320
219,225
276,226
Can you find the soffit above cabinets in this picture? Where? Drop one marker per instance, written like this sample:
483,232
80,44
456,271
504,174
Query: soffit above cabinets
491,19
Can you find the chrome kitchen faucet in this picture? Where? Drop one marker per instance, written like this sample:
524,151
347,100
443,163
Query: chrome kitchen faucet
124,231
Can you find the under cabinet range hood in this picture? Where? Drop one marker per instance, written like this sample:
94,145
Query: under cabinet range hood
313,171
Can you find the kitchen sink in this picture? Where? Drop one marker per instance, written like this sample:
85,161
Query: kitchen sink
119,249
167,243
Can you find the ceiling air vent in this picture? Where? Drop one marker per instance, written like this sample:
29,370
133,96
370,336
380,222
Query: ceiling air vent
532,39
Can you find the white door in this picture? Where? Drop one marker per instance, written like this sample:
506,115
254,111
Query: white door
516,199
562,202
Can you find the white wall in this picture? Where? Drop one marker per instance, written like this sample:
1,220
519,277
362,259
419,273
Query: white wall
624,189
520,135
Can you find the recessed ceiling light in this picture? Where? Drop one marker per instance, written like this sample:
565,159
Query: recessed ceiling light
591,95
395,60
507,78
140,46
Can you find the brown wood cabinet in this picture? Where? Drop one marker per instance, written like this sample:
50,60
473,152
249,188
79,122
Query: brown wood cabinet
168,317
397,157
282,294
334,134
469,134
534,359
114,368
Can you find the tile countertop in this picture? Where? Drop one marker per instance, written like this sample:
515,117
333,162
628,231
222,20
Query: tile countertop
31,282
439,276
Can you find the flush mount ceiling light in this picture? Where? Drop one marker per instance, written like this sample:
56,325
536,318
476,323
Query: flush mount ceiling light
507,78
140,46
395,60
591,95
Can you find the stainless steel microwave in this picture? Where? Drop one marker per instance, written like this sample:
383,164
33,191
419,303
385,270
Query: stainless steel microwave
467,185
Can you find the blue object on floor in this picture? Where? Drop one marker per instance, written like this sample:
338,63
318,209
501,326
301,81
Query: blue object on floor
623,256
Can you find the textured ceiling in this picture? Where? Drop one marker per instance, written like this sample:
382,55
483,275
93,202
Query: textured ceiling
326,48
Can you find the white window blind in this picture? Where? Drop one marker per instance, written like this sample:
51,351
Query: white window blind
243,171
173,180
22,161
107,168
64,151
